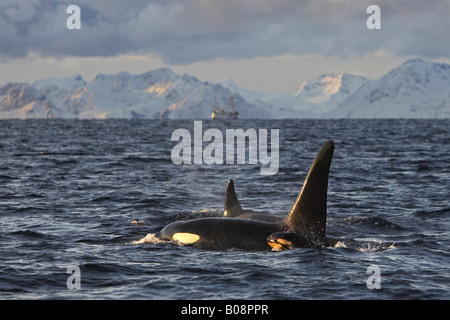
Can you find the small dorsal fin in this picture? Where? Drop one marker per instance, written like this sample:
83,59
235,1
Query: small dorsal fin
309,213
232,205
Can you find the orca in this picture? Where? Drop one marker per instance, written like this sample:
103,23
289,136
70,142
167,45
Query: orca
233,208
307,218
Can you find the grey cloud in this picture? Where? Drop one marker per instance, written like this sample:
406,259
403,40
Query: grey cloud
196,30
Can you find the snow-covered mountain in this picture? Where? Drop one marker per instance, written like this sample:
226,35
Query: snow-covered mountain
20,100
156,94
329,90
416,89
282,105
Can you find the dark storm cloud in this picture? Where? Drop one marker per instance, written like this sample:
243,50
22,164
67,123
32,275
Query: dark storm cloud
188,31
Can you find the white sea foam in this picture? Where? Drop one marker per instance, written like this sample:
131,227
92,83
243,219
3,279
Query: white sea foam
375,245
152,238
340,244
149,238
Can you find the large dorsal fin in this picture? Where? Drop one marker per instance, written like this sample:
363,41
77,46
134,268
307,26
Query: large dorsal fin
232,205
309,214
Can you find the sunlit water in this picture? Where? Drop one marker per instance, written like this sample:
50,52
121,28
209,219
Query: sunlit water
69,191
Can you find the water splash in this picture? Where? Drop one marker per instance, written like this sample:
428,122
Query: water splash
365,245
149,238
140,222
375,246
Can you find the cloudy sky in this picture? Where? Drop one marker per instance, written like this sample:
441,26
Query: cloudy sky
267,45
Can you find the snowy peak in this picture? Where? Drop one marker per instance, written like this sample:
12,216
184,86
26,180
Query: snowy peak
159,93
20,100
67,84
330,84
324,85
416,75
148,82
420,66
16,95
329,90
230,84
416,89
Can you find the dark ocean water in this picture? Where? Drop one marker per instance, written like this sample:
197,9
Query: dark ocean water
69,190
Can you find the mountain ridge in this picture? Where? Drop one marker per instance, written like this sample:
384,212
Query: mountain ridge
415,89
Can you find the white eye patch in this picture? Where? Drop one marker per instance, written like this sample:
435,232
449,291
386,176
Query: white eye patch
185,237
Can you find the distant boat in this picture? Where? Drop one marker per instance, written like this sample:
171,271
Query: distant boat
220,113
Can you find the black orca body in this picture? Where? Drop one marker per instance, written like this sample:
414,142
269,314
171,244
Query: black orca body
307,218
220,233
